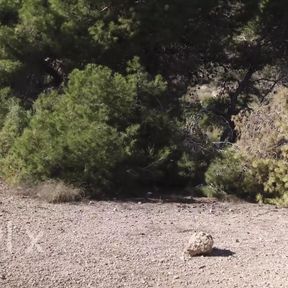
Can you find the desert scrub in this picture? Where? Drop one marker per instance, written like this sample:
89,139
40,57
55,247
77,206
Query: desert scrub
263,138
262,132
231,173
273,174
54,191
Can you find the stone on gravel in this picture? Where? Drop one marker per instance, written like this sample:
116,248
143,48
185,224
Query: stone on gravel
200,243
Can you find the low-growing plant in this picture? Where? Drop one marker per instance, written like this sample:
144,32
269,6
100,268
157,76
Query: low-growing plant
273,174
56,191
230,173
263,137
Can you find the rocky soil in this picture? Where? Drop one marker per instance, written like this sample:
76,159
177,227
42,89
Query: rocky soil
117,244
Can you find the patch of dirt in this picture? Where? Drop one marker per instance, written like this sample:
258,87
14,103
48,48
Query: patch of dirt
114,244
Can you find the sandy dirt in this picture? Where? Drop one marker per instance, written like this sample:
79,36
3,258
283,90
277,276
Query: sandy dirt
113,244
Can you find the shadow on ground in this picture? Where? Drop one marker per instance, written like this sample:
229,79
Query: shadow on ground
217,252
164,198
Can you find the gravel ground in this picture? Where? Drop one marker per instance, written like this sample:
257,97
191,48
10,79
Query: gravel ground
112,244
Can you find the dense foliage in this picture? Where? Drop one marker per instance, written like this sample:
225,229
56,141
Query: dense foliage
116,95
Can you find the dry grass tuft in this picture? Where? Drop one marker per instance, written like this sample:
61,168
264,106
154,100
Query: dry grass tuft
54,191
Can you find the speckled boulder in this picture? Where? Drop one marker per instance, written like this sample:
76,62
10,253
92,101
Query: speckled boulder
200,243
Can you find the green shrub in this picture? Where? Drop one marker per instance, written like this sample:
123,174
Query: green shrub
230,173
75,136
6,101
15,121
104,128
273,174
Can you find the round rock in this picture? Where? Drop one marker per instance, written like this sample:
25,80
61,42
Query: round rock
200,243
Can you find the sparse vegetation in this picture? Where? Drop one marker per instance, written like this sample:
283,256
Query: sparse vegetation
55,191
258,168
230,173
